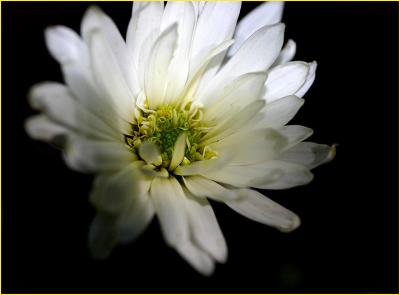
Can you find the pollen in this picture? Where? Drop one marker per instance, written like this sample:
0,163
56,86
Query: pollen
164,125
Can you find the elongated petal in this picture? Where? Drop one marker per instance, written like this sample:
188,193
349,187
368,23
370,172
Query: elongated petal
268,13
157,73
73,54
287,54
285,80
222,29
145,21
309,154
55,100
96,20
196,257
203,187
280,112
260,145
200,167
295,134
178,152
150,152
42,128
169,203
115,192
91,156
109,76
257,54
309,80
205,229
102,236
258,207
182,14
132,222
279,175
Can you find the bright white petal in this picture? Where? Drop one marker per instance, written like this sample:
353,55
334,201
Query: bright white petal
145,22
251,146
268,13
41,127
258,207
205,229
150,152
183,14
55,100
109,77
131,223
91,156
295,134
279,175
169,202
222,29
156,77
309,80
196,257
287,54
256,55
279,112
202,187
178,152
96,20
115,192
200,167
309,154
285,80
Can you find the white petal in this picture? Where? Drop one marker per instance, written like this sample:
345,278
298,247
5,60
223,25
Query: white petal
309,80
256,55
203,187
115,192
234,96
132,222
251,146
234,123
182,14
268,13
68,48
200,167
55,100
102,236
285,80
178,152
295,134
96,20
287,54
169,203
156,77
150,152
109,76
309,154
92,156
258,207
196,257
279,175
205,229
145,21
42,128
222,28
280,112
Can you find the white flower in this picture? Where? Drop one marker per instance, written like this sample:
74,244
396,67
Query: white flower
176,114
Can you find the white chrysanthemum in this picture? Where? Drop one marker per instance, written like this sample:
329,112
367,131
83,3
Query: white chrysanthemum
189,107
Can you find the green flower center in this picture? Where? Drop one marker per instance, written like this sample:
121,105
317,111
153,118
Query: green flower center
163,126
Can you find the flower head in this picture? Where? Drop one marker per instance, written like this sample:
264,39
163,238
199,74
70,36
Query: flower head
188,107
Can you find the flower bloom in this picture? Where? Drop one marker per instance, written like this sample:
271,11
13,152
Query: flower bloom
188,107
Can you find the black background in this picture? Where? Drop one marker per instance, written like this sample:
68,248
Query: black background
348,241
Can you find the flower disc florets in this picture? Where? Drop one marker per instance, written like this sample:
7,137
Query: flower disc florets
164,125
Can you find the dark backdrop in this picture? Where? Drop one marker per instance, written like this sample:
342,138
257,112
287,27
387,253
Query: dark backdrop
348,241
